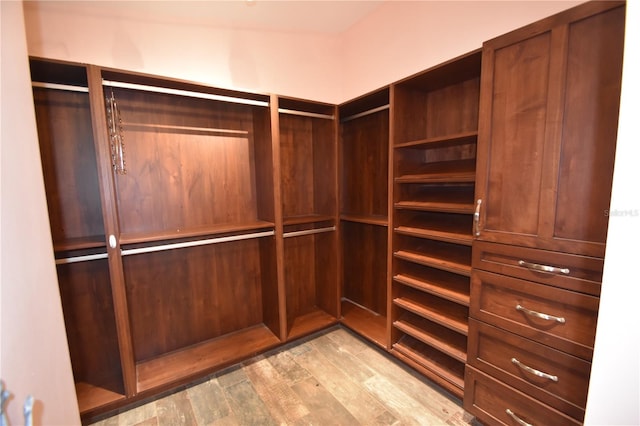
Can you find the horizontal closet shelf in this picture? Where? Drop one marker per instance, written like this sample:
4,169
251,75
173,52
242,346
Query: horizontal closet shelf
433,337
452,319
453,292
368,220
442,365
434,206
69,244
309,323
183,365
434,234
454,266
441,141
304,219
365,322
134,238
91,397
459,171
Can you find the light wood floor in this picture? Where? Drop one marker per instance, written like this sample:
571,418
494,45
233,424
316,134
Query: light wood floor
330,378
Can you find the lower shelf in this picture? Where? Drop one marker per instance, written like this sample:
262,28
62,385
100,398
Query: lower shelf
309,323
91,397
365,322
445,371
187,364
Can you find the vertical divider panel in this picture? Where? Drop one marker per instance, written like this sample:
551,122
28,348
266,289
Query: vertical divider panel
111,226
279,228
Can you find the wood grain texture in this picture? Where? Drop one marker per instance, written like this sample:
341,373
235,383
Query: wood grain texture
332,377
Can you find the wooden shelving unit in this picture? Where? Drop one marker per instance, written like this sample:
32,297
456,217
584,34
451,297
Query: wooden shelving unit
364,165
68,157
307,143
434,170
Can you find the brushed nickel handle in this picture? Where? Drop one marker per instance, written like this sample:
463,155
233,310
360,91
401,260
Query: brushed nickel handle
476,219
547,317
534,371
517,419
544,268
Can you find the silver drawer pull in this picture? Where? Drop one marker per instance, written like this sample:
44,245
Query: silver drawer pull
516,418
544,268
529,312
534,371
476,219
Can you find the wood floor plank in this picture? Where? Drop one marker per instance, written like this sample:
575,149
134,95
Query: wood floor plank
403,405
208,402
247,406
348,392
175,410
231,376
431,396
324,409
138,416
347,341
290,371
281,401
345,361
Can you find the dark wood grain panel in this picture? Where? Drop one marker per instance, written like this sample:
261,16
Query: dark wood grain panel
181,297
515,143
365,268
365,158
68,164
592,98
87,304
178,178
453,109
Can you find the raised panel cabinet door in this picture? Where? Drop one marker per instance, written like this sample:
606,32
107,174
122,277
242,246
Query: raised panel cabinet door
546,144
589,131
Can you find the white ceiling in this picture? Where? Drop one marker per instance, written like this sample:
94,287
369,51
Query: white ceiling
318,16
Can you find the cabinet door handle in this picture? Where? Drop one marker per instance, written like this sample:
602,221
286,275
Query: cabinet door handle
534,371
517,419
547,317
544,268
476,219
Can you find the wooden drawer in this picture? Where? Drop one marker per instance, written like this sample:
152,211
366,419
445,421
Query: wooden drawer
493,351
503,301
489,399
581,273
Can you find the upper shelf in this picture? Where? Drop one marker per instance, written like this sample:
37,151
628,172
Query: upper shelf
229,228
458,171
441,141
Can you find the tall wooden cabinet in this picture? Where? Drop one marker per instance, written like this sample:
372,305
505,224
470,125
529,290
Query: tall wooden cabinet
364,165
435,127
549,109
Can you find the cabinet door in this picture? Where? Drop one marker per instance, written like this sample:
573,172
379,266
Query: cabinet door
549,107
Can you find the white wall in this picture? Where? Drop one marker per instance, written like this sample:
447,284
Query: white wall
401,38
614,395
292,64
34,355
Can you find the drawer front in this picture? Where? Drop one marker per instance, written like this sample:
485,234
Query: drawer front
489,400
494,350
571,272
562,319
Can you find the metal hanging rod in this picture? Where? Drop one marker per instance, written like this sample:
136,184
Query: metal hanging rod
141,250
189,93
305,113
56,86
364,113
85,258
308,232
187,128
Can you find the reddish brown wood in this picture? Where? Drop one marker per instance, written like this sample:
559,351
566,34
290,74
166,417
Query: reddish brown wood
432,334
492,350
548,130
495,298
365,322
488,400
